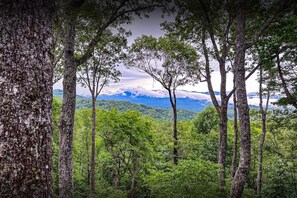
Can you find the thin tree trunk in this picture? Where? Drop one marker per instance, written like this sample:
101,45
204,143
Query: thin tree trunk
221,110
66,122
234,155
243,108
133,180
92,164
172,98
260,155
26,74
262,139
116,177
175,137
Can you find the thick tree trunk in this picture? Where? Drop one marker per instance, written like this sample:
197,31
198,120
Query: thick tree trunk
66,122
92,164
243,108
235,127
26,98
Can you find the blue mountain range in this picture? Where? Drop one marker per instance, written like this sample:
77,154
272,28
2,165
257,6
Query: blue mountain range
186,103
182,103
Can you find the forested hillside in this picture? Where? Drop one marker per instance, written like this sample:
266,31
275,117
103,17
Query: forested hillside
156,113
236,138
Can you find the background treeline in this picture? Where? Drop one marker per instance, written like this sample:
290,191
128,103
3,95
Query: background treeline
134,155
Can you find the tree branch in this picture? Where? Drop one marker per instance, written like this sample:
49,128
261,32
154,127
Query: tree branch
267,23
112,19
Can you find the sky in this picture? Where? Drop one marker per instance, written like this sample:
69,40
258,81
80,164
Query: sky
136,81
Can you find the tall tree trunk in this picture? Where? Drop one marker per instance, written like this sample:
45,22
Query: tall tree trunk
221,109
260,155
175,137
26,72
66,122
262,139
223,146
235,127
92,164
243,108
172,98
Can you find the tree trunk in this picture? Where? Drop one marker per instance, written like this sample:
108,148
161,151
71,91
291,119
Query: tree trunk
92,164
66,122
26,74
223,146
116,176
221,109
243,108
262,139
260,155
234,156
133,180
172,98
175,150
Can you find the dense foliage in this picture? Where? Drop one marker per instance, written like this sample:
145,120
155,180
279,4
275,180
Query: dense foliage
131,146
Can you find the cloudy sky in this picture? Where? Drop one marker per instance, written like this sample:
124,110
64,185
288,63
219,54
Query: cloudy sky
142,83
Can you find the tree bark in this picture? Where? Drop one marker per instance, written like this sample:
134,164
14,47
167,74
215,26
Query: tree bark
223,146
234,155
92,163
243,108
172,98
66,122
26,74
263,134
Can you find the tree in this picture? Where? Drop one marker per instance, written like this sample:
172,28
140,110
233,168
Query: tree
263,111
206,121
25,98
128,139
102,16
245,39
170,62
96,74
208,25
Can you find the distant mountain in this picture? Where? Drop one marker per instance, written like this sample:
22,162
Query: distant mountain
157,113
58,92
163,102
191,101
164,114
